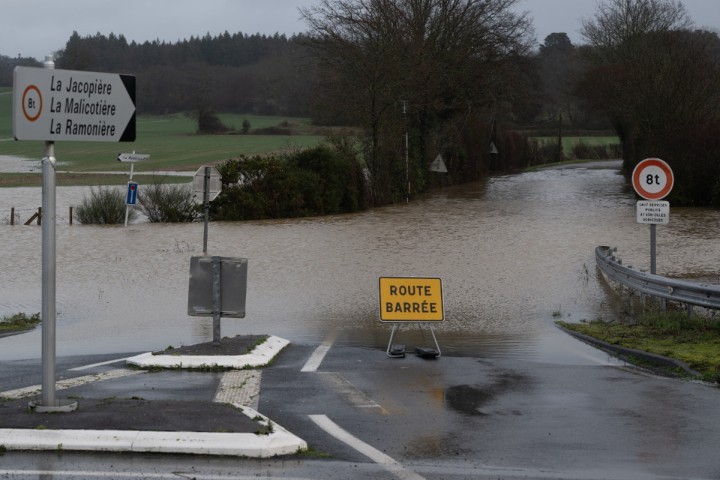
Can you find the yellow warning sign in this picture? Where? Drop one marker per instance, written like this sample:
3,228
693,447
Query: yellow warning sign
411,299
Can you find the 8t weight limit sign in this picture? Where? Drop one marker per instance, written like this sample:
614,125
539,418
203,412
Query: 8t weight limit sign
652,179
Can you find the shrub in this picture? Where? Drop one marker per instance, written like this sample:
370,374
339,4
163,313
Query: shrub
272,131
583,151
105,205
168,203
317,181
209,122
19,321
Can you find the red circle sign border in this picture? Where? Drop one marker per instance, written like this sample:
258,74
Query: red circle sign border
652,162
32,118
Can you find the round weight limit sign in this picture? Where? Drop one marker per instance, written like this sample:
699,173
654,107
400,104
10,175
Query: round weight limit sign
652,179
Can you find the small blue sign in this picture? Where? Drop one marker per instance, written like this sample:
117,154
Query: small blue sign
131,198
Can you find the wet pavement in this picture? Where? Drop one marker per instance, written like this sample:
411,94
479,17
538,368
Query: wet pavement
586,416
176,403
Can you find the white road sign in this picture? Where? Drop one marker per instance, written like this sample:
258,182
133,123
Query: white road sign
657,213
652,179
214,186
52,105
438,165
132,157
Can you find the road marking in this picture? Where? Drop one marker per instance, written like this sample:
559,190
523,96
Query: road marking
241,387
387,462
88,367
352,394
316,358
70,383
121,474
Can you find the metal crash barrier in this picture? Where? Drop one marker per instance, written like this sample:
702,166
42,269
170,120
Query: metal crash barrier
683,291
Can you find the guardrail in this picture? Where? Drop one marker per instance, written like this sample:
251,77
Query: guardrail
683,291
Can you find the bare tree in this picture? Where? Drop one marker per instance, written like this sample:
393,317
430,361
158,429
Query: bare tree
415,65
656,79
617,23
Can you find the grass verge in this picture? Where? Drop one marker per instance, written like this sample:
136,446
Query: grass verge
11,180
692,340
18,323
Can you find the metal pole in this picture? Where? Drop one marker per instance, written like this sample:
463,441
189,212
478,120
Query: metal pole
407,153
206,200
653,246
217,300
48,269
127,207
48,276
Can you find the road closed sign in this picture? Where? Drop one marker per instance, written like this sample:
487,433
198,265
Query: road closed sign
411,299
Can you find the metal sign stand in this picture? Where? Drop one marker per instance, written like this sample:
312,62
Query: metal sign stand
127,207
216,300
218,288
653,179
49,314
115,122
395,351
206,202
411,300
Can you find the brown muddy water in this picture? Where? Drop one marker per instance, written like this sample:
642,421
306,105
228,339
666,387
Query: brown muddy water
514,253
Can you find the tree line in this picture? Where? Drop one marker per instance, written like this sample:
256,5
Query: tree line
462,79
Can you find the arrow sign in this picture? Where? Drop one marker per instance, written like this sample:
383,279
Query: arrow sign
132,157
70,105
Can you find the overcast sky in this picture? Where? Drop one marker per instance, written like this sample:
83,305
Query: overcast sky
35,28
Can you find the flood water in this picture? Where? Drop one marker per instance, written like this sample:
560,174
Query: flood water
513,252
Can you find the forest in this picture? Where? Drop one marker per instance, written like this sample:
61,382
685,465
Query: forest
461,78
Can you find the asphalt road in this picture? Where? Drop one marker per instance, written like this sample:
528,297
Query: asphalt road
368,416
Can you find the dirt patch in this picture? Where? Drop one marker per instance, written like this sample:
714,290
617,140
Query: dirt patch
239,345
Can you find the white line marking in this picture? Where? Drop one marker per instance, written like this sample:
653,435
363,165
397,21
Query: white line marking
316,358
70,382
387,462
88,367
121,474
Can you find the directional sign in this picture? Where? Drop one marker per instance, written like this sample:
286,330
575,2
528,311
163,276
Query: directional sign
132,157
198,184
652,179
52,105
411,299
653,213
132,191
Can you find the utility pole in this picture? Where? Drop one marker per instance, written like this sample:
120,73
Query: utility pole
407,153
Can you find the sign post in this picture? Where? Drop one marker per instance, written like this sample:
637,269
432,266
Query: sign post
218,287
131,196
207,184
653,180
53,105
411,300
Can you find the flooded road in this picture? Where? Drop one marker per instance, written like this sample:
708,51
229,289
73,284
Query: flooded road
515,253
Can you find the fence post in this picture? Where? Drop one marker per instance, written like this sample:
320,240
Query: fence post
70,215
12,215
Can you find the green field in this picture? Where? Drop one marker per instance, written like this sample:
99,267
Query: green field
170,140
570,142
